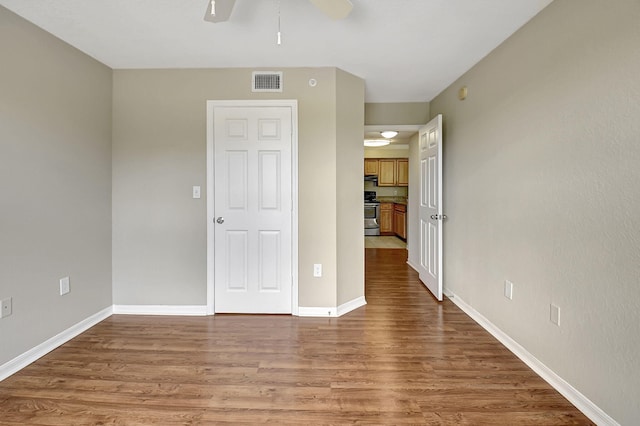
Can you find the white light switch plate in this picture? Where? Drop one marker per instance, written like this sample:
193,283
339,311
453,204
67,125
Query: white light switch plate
555,314
508,289
196,192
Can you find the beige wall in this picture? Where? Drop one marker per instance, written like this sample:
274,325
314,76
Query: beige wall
55,184
350,169
386,152
396,113
159,147
542,176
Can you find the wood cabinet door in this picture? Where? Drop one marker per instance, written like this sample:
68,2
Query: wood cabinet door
386,172
402,172
371,166
400,220
402,225
386,218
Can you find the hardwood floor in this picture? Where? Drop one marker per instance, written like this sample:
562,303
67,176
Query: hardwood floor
402,359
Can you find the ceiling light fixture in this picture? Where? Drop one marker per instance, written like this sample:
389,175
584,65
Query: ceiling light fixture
375,142
389,134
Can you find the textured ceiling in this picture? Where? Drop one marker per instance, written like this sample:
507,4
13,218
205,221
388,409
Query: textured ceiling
406,50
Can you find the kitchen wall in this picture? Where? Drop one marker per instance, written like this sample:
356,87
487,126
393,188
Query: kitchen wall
387,191
541,184
159,146
386,152
55,181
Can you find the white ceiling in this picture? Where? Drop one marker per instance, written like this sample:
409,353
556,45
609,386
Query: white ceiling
406,50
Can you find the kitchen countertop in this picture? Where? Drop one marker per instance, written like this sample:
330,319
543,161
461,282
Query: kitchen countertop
395,200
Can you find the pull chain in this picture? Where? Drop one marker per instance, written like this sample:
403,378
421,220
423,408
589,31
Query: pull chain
279,33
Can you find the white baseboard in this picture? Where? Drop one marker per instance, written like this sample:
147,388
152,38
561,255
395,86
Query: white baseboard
415,268
187,310
351,305
21,361
317,312
332,312
582,403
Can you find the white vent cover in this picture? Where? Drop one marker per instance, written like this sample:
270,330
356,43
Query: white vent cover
266,81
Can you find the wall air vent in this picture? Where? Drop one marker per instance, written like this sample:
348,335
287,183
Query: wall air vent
266,81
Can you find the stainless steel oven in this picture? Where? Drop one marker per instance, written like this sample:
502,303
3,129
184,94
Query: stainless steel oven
371,214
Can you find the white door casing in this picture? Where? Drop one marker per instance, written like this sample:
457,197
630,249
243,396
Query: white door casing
251,207
430,208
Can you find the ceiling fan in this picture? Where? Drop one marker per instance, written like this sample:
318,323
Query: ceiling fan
220,10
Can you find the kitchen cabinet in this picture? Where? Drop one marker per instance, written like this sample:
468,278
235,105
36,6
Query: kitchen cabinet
386,219
402,172
400,220
393,172
371,166
387,172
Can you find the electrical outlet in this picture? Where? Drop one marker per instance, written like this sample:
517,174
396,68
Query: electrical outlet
5,307
555,314
317,270
508,289
64,286
196,192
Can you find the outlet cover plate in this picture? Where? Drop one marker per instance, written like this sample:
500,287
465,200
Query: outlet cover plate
6,308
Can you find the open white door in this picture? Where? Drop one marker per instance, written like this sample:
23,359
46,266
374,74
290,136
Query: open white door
431,217
252,217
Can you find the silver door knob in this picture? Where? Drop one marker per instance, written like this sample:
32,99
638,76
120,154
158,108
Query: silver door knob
220,220
434,217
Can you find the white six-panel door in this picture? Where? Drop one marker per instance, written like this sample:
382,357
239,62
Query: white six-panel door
431,217
252,179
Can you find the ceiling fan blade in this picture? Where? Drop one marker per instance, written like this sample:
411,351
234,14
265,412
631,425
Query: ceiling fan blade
334,9
219,10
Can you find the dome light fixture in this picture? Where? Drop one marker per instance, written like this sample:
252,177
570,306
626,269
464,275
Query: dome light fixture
375,142
389,134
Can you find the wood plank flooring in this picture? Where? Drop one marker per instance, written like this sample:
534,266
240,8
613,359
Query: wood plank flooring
402,359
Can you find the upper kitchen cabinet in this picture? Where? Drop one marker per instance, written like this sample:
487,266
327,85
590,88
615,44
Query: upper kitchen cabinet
402,172
393,172
386,172
371,166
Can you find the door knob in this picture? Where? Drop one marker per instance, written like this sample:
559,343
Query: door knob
220,220
434,217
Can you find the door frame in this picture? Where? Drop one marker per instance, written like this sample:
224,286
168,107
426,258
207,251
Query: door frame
211,105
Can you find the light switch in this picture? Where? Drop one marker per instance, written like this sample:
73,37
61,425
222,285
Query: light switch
196,192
